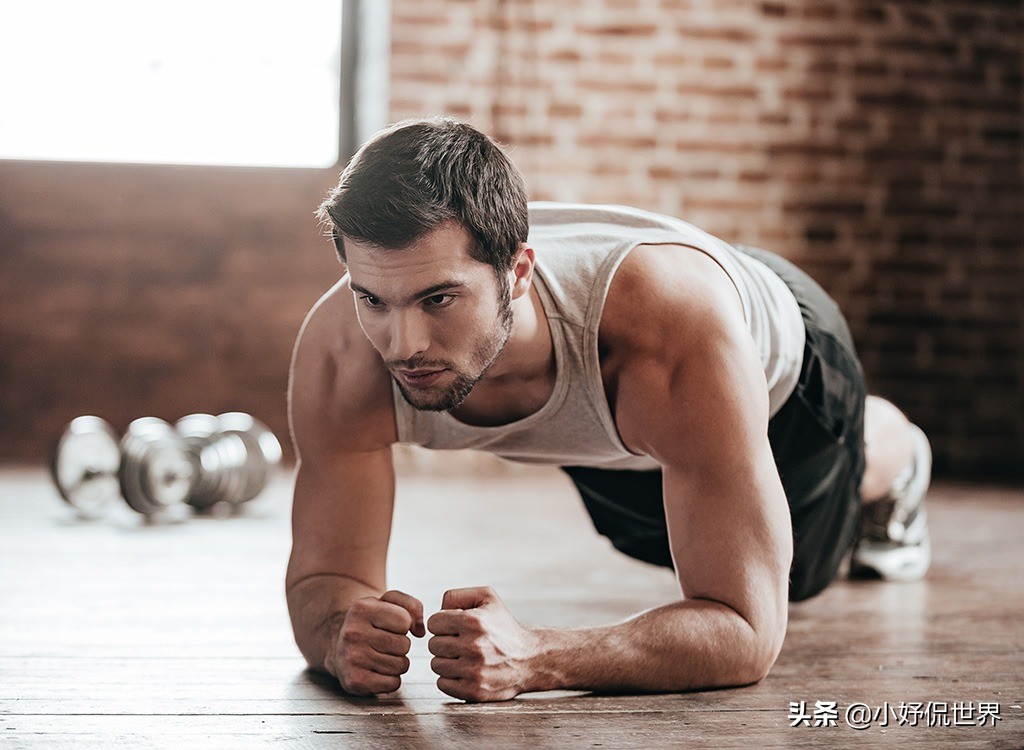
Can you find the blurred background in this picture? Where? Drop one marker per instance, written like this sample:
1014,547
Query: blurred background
160,166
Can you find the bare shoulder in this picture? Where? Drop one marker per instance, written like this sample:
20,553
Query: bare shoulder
661,288
339,393
672,331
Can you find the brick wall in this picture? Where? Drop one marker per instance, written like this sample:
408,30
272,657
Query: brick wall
877,144
129,291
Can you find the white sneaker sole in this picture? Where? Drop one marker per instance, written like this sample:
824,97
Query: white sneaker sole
899,563
908,561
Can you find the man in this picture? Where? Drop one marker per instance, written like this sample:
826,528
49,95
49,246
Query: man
705,399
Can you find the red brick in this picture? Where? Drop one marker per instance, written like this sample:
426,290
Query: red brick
716,34
772,65
609,140
632,30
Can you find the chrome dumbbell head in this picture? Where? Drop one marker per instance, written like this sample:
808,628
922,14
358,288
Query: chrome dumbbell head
198,430
85,466
234,455
157,471
263,451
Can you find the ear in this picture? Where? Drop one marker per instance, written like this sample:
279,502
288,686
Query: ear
522,270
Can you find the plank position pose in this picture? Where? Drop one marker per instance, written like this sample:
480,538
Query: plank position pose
704,398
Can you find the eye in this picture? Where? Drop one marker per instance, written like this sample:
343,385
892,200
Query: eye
439,300
369,300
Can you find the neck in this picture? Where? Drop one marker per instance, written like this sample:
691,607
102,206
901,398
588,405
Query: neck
521,380
528,353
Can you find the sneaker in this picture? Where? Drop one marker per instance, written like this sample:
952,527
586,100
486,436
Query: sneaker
893,542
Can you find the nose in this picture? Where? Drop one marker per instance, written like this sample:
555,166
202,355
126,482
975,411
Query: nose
409,336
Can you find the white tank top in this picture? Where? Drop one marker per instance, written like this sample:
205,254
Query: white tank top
578,249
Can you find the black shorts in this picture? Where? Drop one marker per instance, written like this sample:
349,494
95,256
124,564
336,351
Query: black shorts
817,439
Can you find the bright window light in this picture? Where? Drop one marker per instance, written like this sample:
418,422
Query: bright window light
221,82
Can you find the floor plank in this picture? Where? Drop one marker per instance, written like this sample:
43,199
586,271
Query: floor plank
116,633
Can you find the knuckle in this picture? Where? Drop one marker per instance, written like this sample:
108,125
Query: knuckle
360,607
451,687
354,682
389,684
364,682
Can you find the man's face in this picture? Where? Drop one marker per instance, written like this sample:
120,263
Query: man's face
436,316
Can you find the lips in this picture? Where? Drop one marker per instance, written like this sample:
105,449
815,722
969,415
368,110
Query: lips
420,378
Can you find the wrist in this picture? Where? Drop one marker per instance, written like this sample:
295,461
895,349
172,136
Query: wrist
543,668
333,644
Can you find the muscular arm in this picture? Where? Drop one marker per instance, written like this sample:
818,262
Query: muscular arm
697,402
330,568
342,426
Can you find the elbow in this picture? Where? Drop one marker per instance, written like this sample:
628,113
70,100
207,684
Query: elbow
759,669
761,643
748,664
755,645
766,645
748,671
767,632
740,672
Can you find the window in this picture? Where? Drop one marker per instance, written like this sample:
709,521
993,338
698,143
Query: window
190,82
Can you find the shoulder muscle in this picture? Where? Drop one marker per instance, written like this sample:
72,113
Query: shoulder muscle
339,393
679,346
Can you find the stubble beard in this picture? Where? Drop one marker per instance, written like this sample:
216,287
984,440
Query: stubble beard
486,351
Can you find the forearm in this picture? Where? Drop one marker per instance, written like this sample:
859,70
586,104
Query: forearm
317,605
687,645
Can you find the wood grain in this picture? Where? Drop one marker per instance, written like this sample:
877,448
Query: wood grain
118,634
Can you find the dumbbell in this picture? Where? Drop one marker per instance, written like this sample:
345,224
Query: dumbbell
203,461
157,472
233,453
85,465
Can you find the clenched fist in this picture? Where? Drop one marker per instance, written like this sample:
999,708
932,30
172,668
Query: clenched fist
481,653
370,652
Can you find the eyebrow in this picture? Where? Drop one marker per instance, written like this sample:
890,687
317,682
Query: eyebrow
430,291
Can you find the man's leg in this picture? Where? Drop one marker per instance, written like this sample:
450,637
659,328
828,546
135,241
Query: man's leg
863,488
888,447
893,539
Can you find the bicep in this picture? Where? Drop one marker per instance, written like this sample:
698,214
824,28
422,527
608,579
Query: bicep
342,424
703,414
730,537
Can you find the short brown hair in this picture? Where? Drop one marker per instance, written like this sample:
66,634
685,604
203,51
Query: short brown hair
415,175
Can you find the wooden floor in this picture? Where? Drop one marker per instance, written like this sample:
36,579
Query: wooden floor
116,634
